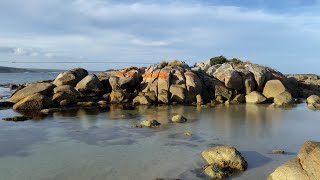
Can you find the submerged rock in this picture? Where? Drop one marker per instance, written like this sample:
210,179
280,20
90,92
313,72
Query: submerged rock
178,119
17,118
277,151
6,105
217,172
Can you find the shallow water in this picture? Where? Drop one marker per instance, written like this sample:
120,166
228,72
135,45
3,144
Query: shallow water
93,144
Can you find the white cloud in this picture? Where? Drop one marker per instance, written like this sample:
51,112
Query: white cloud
151,31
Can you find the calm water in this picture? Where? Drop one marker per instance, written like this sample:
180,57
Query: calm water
101,145
6,78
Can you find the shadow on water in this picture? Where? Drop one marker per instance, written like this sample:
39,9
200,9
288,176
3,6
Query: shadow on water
18,141
255,159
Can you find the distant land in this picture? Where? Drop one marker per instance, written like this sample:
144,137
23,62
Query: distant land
4,69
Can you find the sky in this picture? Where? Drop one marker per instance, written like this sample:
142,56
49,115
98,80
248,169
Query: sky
284,34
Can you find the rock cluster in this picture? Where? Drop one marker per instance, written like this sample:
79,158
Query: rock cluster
305,167
165,83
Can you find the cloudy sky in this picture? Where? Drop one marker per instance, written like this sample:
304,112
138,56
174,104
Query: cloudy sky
284,34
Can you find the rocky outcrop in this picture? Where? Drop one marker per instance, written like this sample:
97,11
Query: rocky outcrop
255,98
215,81
33,102
71,77
305,167
223,161
40,88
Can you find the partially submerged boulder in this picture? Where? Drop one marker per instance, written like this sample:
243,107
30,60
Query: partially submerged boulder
178,119
284,98
255,98
150,123
33,102
223,161
40,88
305,167
313,99
290,170
273,88
309,156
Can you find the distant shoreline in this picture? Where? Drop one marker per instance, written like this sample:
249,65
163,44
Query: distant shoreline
4,69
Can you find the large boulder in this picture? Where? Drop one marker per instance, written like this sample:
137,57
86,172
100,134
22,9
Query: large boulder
66,89
259,73
148,77
223,157
121,82
290,170
309,156
273,88
33,102
284,98
255,98
223,91
71,77
90,85
194,86
248,81
178,94
233,80
164,85
41,88
128,78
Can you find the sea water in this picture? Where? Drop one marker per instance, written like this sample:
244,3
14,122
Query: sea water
100,144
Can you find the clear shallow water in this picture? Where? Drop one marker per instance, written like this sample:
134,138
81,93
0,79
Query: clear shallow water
98,145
